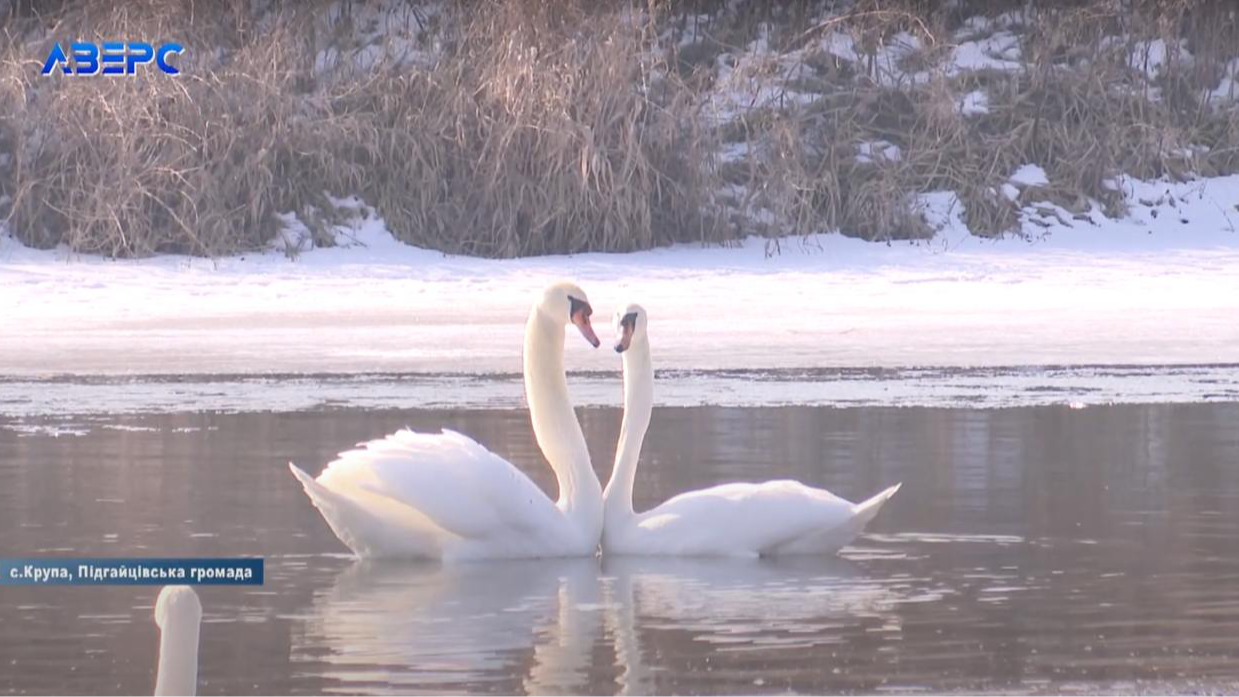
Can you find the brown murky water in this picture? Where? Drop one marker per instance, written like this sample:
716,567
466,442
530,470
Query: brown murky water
1031,550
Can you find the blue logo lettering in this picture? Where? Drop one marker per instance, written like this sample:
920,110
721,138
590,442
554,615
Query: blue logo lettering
111,58
86,57
56,58
162,57
140,53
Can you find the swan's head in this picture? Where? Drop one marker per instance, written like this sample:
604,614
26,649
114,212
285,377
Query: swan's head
177,605
630,325
565,303
178,614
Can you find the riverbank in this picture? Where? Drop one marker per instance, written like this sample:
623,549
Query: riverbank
533,128
1147,289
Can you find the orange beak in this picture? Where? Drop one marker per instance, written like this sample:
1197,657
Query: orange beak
581,319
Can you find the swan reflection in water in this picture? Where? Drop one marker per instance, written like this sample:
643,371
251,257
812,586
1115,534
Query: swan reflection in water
456,626
567,625
734,604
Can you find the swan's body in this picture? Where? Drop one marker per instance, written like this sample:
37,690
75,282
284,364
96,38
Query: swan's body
179,615
741,519
444,496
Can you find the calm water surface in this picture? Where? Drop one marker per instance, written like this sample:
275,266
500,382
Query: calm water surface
1039,549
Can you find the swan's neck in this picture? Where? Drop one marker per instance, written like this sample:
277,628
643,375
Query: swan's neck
638,404
178,657
554,422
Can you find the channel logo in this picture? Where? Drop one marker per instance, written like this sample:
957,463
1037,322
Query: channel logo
86,58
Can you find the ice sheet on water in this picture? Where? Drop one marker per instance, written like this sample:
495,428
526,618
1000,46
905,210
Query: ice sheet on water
68,405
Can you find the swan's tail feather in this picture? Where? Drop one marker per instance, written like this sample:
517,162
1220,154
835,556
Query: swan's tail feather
864,511
370,528
306,480
831,540
325,500
334,507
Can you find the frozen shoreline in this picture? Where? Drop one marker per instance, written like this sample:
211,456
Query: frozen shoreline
1145,290
71,404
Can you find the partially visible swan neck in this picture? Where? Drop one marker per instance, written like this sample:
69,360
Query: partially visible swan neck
554,422
179,615
638,405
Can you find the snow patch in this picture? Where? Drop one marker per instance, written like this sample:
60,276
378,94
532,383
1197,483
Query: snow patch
759,76
879,151
840,45
998,51
733,152
388,32
1029,175
1227,91
979,25
1151,57
883,64
973,103
293,236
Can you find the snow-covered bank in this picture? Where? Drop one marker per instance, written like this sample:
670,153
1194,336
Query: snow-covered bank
1159,287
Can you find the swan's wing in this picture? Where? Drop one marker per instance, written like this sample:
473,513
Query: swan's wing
455,482
742,518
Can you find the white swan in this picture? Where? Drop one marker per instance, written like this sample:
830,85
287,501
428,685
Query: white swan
742,519
178,614
444,496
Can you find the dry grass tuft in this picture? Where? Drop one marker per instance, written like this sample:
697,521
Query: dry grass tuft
547,132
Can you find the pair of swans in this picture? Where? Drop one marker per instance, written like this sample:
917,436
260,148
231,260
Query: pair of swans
444,496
